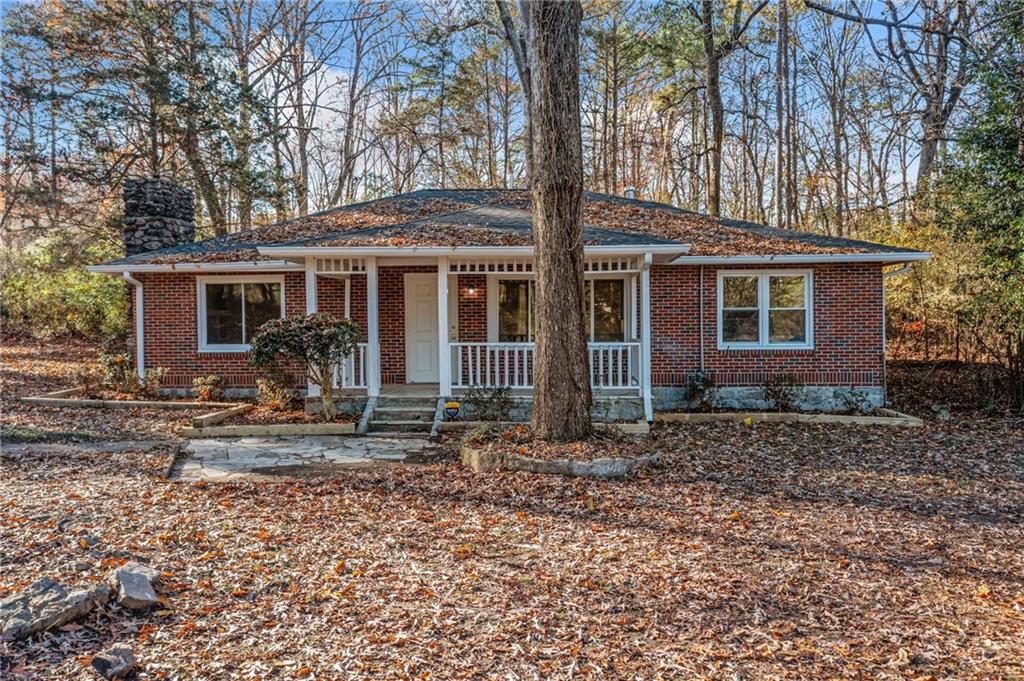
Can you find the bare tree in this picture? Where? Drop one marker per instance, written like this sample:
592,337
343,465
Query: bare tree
562,398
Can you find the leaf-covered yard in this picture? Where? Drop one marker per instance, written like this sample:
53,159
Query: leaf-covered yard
754,551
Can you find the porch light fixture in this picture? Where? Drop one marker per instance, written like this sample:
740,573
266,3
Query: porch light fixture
471,290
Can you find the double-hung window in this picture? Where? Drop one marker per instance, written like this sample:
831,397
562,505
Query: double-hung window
765,309
604,299
232,309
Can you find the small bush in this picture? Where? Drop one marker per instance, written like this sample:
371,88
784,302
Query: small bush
782,391
152,380
274,390
208,388
118,372
703,391
90,378
317,342
490,403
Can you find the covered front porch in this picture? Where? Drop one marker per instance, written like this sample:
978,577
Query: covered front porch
445,323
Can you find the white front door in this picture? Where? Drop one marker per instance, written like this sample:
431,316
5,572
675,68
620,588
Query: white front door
421,328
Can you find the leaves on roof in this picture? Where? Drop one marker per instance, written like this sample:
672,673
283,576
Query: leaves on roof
403,220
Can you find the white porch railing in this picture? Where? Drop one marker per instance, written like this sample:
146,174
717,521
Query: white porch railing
612,365
352,372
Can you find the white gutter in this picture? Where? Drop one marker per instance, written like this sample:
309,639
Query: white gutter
140,344
249,265
903,269
798,258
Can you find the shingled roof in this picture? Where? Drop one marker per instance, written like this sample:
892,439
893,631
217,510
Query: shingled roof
493,217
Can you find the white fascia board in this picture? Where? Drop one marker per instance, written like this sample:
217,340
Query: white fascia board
326,251
246,266
805,258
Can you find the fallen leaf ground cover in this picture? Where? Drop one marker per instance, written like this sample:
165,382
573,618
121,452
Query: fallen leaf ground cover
35,367
763,551
755,551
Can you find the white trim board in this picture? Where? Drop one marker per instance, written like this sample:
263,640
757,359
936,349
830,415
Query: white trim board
799,258
201,330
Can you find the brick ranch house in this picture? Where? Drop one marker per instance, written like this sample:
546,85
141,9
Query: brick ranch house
440,281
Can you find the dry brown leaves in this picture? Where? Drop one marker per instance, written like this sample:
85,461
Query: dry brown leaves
763,551
262,415
377,214
707,235
604,443
29,367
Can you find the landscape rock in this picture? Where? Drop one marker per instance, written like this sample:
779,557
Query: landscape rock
46,604
116,662
133,584
483,460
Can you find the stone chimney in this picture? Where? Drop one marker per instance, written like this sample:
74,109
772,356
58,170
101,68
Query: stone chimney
157,213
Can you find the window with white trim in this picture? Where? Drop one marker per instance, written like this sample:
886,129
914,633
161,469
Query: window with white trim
232,309
758,309
604,297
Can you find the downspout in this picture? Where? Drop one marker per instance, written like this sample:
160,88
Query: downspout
645,339
700,319
140,344
902,269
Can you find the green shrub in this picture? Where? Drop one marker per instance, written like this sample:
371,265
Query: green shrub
119,372
208,388
152,380
43,297
317,342
489,403
274,390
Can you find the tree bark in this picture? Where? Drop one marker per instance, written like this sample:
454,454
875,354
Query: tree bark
562,399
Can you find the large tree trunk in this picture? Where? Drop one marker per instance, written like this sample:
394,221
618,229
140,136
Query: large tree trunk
562,399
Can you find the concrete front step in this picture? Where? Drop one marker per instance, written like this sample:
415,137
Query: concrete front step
403,414
406,402
381,427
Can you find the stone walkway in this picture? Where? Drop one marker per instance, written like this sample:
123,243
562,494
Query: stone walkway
234,458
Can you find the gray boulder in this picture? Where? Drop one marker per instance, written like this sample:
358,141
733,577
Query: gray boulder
46,604
116,662
133,584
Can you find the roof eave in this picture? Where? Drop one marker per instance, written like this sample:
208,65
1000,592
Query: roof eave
303,251
796,258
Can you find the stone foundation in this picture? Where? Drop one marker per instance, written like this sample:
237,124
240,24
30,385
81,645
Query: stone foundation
751,398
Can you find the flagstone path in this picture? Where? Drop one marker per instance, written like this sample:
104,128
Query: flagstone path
225,459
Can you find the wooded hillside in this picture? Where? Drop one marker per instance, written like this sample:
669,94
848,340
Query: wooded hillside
901,123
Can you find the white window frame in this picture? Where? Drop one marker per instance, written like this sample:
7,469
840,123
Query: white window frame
763,310
492,304
201,283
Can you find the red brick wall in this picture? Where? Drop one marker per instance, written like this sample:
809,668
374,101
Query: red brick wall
172,336
847,326
847,330
472,308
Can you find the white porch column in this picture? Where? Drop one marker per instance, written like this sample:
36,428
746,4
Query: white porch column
645,336
372,330
312,390
444,357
